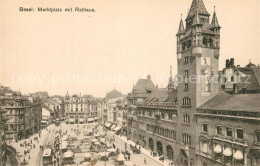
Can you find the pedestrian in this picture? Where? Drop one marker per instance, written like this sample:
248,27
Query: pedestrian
129,157
145,163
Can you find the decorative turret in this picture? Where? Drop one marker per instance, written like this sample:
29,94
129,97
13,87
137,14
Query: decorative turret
181,27
214,22
171,82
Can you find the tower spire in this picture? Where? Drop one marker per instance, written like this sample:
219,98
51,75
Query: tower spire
197,5
181,27
214,22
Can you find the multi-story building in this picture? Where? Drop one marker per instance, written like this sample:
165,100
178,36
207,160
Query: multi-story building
198,47
24,115
140,91
228,130
110,108
236,79
81,109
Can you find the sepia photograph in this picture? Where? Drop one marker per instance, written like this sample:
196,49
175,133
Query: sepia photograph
130,83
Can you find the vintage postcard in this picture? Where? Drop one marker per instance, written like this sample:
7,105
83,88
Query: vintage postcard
130,82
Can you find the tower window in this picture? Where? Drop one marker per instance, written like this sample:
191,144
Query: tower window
189,44
210,42
186,101
186,86
186,59
183,46
205,41
186,118
186,72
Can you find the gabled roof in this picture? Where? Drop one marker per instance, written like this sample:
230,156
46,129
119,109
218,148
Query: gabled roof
235,102
144,86
197,5
251,81
114,94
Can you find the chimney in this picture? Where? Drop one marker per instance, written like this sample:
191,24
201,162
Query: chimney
148,77
227,63
232,62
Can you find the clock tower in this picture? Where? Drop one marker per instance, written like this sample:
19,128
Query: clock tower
198,45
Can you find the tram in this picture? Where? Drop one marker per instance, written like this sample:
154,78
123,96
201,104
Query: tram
47,157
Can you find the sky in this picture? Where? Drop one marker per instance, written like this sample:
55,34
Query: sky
111,48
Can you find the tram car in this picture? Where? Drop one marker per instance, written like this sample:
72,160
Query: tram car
47,157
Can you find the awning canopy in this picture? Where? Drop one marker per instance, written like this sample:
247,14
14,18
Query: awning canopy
90,119
217,148
68,154
108,124
120,157
113,126
227,152
72,120
94,140
117,128
44,122
238,155
95,118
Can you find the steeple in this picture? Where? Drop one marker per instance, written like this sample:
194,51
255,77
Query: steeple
214,22
197,5
181,27
171,82
67,95
196,18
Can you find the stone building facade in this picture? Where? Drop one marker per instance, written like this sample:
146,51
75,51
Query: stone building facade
81,109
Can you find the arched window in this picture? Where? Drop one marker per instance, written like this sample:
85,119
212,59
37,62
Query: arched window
151,144
159,148
205,41
189,44
169,152
183,46
210,42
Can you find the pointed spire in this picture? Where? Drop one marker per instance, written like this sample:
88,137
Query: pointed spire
214,22
170,78
67,93
181,27
197,18
197,5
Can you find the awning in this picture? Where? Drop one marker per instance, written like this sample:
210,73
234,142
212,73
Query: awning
95,118
217,148
117,128
44,122
97,143
90,119
72,120
68,154
103,140
111,150
94,140
81,120
238,155
108,124
113,126
227,152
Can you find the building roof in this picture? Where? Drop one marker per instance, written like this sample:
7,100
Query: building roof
197,5
114,94
162,95
235,102
251,81
214,22
144,86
